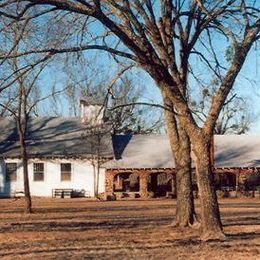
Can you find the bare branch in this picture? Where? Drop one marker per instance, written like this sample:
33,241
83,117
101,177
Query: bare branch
53,51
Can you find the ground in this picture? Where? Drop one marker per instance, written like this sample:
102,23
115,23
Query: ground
81,228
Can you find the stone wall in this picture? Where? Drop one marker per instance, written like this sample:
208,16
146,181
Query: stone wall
143,175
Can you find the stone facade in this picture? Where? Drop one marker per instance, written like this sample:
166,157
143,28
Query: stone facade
144,177
233,180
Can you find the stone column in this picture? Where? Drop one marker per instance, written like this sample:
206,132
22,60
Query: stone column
144,184
242,180
109,189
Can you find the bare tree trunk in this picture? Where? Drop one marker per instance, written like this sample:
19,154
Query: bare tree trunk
185,212
28,201
210,215
98,172
95,179
180,145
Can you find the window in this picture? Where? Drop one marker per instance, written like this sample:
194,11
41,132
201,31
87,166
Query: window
65,170
11,172
38,171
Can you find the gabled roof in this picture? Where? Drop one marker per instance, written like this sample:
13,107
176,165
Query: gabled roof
154,151
54,137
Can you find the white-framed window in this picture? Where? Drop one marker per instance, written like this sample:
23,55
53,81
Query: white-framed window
38,171
11,172
65,171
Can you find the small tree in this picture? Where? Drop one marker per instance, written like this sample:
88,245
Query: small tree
96,136
17,92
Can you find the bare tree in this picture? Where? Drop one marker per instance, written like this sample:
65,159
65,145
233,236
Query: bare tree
126,113
97,136
19,110
121,94
18,88
162,37
235,116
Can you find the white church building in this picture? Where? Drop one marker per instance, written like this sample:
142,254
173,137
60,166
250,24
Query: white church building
64,153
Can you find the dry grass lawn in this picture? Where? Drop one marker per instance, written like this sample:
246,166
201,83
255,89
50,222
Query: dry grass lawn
85,229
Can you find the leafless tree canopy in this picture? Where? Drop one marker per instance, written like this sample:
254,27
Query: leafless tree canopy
163,37
236,116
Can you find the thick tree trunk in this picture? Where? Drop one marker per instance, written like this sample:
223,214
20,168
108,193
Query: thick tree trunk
180,145
185,212
211,225
210,216
28,201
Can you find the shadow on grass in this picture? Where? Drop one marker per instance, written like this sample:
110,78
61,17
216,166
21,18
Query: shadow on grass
227,243
243,236
242,221
91,252
239,205
100,208
66,250
135,222
188,242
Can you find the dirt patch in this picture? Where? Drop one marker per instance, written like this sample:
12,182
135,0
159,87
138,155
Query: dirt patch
81,228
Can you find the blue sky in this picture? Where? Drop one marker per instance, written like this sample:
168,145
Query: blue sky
247,84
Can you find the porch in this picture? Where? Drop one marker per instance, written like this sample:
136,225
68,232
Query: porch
140,183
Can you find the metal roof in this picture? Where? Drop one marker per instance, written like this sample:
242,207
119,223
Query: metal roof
237,150
141,151
154,151
68,137
55,137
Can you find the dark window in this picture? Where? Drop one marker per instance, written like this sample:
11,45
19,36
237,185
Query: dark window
38,171
11,172
65,170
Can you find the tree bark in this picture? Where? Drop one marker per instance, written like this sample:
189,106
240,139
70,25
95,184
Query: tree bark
181,149
211,226
27,194
201,140
185,212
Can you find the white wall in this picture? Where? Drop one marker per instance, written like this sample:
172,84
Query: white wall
82,177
